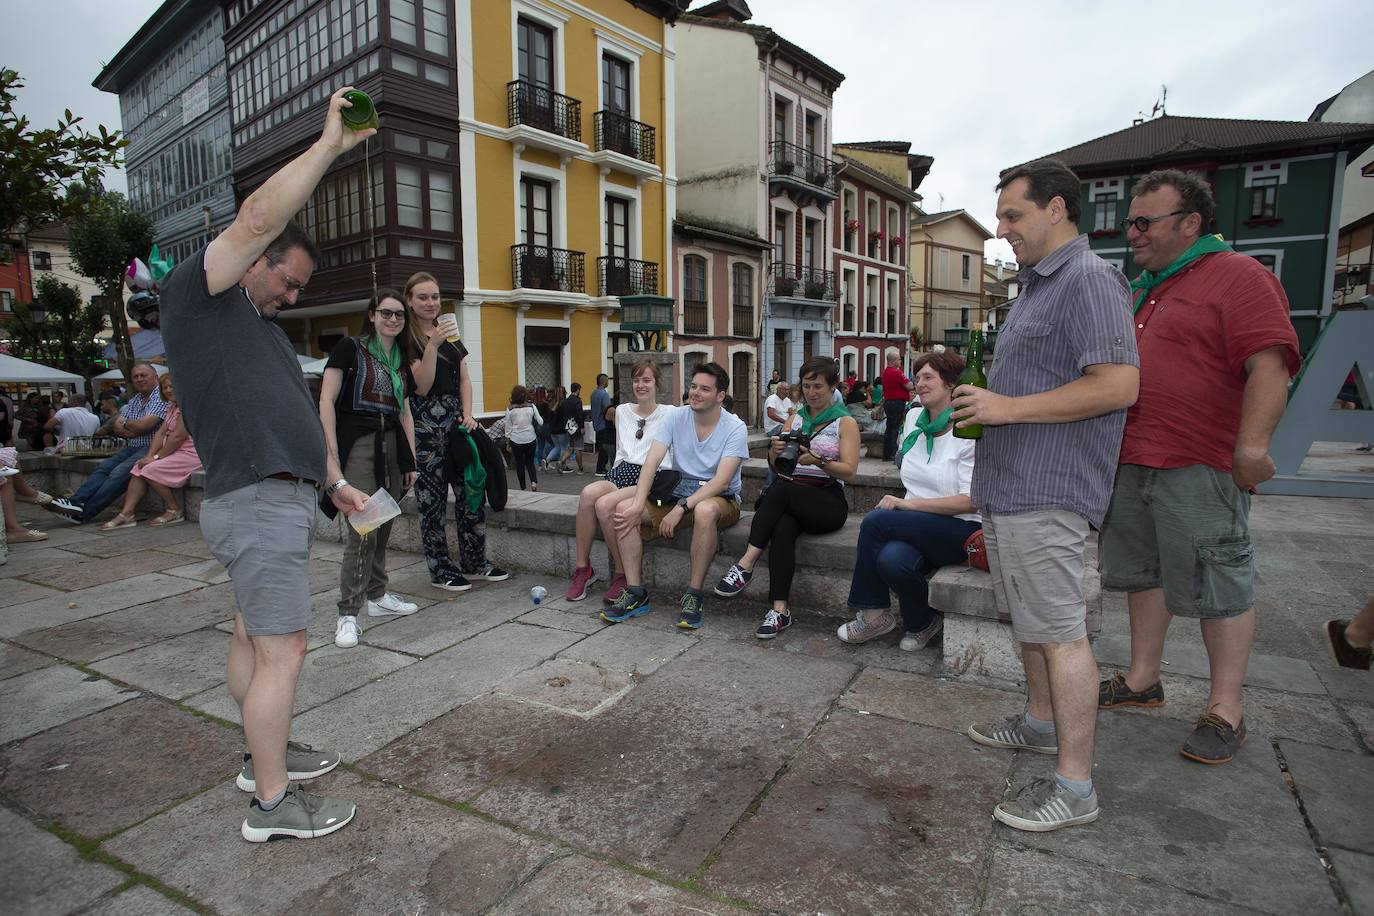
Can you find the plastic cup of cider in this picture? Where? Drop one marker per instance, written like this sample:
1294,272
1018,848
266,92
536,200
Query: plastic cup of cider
379,509
455,336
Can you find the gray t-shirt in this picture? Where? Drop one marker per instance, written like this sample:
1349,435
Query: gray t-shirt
239,385
1074,311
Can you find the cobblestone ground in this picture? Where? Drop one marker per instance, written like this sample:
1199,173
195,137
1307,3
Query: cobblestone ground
510,759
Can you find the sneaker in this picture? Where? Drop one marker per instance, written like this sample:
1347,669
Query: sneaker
302,762
390,606
450,582
617,587
625,606
690,616
1115,693
492,574
913,642
734,581
1213,740
64,507
862,629
1014,733
8,472
300,815
773,624
1345,655
582,577
346,632
1044,804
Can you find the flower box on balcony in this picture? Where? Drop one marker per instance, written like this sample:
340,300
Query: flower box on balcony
784,286
819,178
814,290
784,166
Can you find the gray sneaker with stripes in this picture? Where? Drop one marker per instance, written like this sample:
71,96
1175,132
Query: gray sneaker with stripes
1014,733
1044,805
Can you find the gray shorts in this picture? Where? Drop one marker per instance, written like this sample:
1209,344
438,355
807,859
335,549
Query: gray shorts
1037,573
1186,530
262,534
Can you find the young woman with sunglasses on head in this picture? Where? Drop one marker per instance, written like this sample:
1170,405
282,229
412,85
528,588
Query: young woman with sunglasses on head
634,433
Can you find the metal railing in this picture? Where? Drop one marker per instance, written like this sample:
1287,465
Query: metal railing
804,282
693,317
742,320
539,106
626,277
790,159
620,133
542,267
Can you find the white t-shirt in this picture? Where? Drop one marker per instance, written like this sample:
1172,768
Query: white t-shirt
698,460
76,421
520,423
635,450
949,471
779,405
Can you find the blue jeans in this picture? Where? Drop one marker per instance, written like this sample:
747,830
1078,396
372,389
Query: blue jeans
896,547
108,482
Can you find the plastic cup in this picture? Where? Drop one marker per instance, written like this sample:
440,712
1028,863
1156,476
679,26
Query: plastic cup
379,509
455,336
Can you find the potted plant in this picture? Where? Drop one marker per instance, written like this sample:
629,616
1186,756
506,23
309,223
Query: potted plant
814,289
818,176
784,166
785,286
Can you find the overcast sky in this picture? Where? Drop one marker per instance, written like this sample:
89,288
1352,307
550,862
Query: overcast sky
977,85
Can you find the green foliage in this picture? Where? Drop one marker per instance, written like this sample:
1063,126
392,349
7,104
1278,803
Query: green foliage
103,240
66,337
36,166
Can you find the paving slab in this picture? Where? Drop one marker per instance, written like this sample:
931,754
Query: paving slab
454,756
1334,787
858,824
637,651
359,722
444,622
17,591
126,541
1346,683
192,548
1356,873
117,767
210,572
139,900
47,697
1275,672
660,778
940,703
115,596
35,557
1230,833
580,617
44,875
85,573
401,854
15,660
1363,717
569,686
328,672
576,884
1031,882
174,668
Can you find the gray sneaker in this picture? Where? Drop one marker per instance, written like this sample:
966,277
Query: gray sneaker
1014,733
300,815
301,763
1044,804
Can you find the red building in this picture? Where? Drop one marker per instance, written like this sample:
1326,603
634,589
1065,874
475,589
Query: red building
16,278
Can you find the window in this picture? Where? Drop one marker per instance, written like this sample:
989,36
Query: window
1104,212
694,294
813,123
871,367
1270,262
615,85
440,201
780,120
42,260
535,48
870,304
742,300
966,263
409,204
6,300
847,315
810,254
536,212
963,318
780,237
892,303
1264,197
617,227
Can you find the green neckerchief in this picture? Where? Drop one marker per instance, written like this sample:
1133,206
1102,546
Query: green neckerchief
392,362
833,412
932,428
1148,279
474,475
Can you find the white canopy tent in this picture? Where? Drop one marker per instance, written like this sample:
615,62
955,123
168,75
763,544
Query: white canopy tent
14,369
114,375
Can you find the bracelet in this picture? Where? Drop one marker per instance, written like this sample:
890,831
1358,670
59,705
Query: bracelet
335,487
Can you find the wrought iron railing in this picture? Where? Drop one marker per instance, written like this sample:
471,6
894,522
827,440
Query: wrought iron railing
694,317
742,320
542,267
539,106
803,282
790,159
626,277
622,134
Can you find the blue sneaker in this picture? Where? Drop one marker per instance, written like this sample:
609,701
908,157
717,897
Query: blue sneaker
690,617
627,605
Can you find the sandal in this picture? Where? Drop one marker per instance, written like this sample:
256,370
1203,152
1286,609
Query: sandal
170,517
28,534
119,521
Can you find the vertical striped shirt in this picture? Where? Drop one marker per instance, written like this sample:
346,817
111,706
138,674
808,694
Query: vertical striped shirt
1074,311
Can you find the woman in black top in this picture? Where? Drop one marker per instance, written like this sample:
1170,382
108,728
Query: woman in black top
570,419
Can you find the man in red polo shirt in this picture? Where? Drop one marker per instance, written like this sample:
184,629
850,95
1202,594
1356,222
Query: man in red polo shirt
1216,351
896,395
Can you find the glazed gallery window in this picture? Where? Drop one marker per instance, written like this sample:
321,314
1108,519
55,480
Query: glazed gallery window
1104,212
1264,197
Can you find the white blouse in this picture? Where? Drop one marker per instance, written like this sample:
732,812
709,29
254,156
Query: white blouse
630,448
949,472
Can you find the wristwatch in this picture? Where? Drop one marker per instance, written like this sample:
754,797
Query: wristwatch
682,504
821,460
335,487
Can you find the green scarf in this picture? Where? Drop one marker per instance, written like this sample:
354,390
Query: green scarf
1148,279
391,361
474,475
810,423
932,428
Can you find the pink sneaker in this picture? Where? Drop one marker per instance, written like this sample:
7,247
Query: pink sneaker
617,586
582,577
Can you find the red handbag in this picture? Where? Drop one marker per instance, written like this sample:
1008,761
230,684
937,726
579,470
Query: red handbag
977,551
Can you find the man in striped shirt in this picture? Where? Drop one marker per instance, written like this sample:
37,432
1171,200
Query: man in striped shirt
1066,370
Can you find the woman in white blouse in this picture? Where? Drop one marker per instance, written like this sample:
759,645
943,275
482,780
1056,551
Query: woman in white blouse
634,433
902,539
522,424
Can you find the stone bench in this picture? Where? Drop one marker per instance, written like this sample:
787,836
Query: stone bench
57,475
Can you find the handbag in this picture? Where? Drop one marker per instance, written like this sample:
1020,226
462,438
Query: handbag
976,551
665,482
571,427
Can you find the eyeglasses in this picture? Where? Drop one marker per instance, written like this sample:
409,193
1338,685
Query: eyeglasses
639,433
391,314
1143,223
292,285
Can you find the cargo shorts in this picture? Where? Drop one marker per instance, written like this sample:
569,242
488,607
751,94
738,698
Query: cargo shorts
1186,530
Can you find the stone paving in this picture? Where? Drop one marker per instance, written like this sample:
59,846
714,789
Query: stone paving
512,759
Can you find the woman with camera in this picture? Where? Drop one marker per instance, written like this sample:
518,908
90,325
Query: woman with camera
811,461
902,539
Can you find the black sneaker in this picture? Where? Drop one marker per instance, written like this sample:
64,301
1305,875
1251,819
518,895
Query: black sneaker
734,581
450,582
690,617
1344,654
492,574
1213,740
626,606
773,624
1115,693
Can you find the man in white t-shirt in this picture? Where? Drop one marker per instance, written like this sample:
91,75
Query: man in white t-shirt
75,419
775,409
709,446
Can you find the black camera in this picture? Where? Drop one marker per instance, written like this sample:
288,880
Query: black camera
146,308
792,443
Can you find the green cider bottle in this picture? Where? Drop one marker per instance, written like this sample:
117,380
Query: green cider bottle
362,114
973,375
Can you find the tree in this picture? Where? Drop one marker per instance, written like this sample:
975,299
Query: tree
66,336
36,166
103,241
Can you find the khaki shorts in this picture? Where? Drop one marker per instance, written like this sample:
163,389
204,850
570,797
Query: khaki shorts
729,514
1186,530
1037,573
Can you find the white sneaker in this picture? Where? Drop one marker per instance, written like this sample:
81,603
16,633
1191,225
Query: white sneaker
912,642
390,606
346,632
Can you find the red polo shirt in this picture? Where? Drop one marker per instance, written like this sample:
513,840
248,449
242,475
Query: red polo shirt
894,384
1194,332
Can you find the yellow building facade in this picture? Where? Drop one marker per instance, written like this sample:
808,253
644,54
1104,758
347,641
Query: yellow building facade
566,151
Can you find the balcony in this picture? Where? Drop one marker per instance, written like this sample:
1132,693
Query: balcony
804,176
742,320
694,317
792,281
626,277
625,144
542,267
545,119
